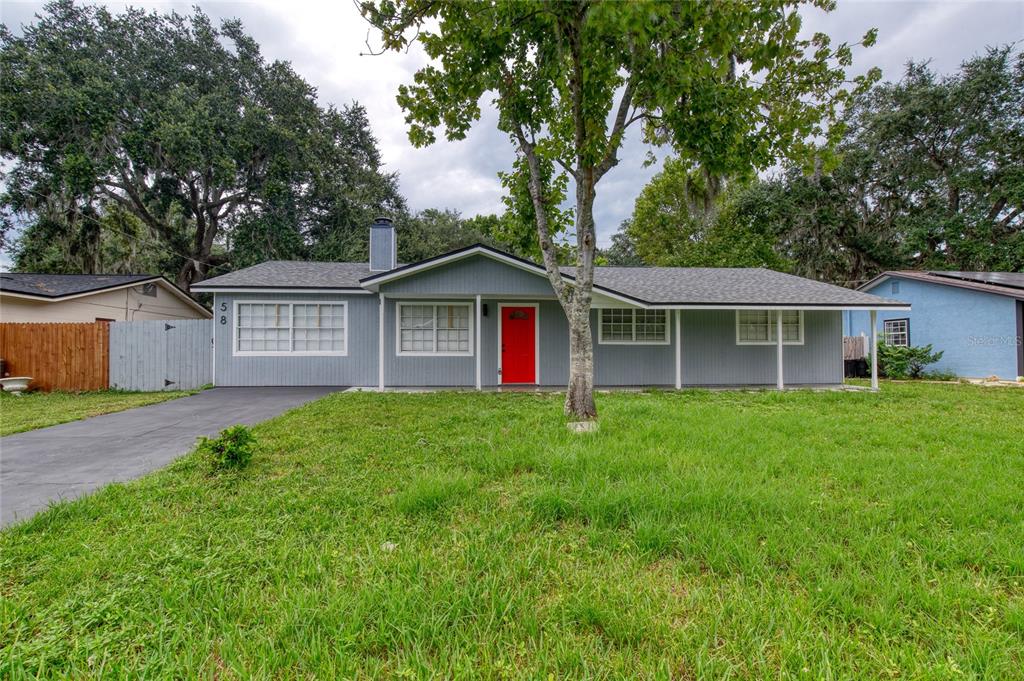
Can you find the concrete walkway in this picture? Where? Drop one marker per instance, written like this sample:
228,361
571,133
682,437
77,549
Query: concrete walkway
72,459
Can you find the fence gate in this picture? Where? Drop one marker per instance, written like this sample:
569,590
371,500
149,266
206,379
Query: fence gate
171,354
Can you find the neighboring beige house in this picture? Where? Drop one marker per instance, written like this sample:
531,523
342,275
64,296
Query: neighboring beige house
28,297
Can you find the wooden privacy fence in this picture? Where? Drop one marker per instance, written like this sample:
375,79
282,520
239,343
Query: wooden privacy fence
855,347
58,356
171,354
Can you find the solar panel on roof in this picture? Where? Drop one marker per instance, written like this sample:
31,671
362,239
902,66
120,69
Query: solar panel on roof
1011,279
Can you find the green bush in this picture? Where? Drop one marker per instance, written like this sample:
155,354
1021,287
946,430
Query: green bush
233,449
898,361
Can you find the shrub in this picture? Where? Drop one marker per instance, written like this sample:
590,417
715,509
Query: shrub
233,449
898,361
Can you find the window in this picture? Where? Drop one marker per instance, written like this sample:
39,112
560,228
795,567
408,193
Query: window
435,329
632,326
758,327
896,332
263,328
894,286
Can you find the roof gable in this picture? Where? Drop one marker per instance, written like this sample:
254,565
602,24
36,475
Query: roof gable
55,286
957,280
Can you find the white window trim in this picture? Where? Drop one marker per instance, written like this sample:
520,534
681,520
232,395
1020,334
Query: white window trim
600,328
419,353
235,352
906,332
771,327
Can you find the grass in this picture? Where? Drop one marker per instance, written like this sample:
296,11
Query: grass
39,410
726,535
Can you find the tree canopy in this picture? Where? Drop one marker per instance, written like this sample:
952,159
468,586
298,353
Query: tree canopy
927,174
183,134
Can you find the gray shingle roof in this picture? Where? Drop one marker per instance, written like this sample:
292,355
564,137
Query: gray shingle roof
293,274
59,285
726,286
656,285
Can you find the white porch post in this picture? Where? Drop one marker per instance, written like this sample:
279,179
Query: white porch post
679,349
380,346
778,350
874,349
478,331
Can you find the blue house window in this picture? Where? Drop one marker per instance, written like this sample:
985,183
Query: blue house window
894,286
896,332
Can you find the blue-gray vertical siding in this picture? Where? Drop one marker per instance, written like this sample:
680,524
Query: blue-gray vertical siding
358,368
420,370
469,277
711,356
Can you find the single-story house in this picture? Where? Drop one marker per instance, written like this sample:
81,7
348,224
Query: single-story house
28,297
975,318
479,317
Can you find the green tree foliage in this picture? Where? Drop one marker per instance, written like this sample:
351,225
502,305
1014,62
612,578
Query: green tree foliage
185,126
433,232
901,361
935,163
730,86
927,174
686,217
622,252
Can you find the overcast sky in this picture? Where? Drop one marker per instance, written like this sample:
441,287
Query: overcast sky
323,40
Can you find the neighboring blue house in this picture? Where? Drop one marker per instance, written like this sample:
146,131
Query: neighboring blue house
975,318
478,317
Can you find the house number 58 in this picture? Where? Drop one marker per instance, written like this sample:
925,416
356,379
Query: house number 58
223,317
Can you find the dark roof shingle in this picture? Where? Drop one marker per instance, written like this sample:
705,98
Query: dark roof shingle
293,274
727,286
60,285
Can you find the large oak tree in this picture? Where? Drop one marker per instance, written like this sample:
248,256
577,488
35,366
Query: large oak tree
186,127
731,85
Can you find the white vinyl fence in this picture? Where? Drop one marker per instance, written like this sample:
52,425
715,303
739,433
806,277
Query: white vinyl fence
170,354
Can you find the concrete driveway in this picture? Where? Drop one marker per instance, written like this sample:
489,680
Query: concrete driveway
72,459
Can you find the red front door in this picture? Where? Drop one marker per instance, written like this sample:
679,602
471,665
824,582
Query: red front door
518,344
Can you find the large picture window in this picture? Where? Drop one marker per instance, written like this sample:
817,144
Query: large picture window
290,328
435,329
631,326
759,327
896,332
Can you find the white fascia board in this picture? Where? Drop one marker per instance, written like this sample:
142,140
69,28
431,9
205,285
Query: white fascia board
773,306
243,289
120,287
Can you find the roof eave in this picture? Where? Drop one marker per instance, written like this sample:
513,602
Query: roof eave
927,278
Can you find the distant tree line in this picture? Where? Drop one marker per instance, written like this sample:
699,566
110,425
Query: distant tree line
929,174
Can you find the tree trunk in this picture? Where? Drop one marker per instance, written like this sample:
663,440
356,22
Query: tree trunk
579,396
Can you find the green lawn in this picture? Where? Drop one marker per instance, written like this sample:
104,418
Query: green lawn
748,535
38,409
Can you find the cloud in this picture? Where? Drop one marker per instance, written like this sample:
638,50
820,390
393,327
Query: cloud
324,42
